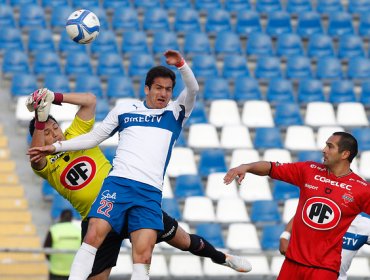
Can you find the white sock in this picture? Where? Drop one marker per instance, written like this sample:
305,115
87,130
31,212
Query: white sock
140,271
83,262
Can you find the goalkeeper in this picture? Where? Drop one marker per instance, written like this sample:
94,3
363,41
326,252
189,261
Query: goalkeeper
78,177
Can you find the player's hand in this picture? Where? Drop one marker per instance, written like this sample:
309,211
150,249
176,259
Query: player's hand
37,153
173,57
38,97
283,246
235,173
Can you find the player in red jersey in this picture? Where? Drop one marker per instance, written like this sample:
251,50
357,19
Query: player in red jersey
331,196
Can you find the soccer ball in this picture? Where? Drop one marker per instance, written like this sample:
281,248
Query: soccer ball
83,26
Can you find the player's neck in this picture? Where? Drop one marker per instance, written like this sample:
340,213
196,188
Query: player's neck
340,170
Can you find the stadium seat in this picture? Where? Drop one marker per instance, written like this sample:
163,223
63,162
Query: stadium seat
259,44
257,113
223,112
328,68
359,267
58,204
198,114
64,114
358,7
171,206
268,6
231,210
210,161
182,162
167,188
10,38
204,66
287,113
59,16
47,191
216,89
186,20
270,238
123,267
203,135
298,6
109,64
310,90
155,19
349,46
342,91
198,209
363,138
17,3
89,83
274,154
267,137
265,212
176,4
289,44
196,43
146,4
139,64
267,67
22,115
300,137
309,23
120,87
46,62
283,191
240,156
254,188
289,210
181,141
109,152
365,93
112,5
246,88
164,40
298,67
247,22
212,232
102,109
77,4
23,84
66,45
236,240
322,135
235,65
15,61
217,20
237,5
315,156
278,23
340,23
364,165
329,6
364,24
227,43
216,189
320,45
78,63
6,16
205,5
104,43
319,114
235,137
57,83
188,185
125,19
179,266
279,91
31,16
134,42
40,40
276,264
358,68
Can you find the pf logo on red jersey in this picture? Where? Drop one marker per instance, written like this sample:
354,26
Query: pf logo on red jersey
78,173
321,213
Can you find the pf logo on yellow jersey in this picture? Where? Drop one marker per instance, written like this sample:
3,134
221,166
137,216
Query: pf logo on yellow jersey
321,213
78,173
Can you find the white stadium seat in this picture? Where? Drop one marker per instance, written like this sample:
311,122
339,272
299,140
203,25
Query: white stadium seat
257,113
186,266
300,138
351,114
203,135
231,210
236,137
319,114
255,187
182,162
216,189
240,156
243,236
323,133
198,209
224,112
280,155
290,207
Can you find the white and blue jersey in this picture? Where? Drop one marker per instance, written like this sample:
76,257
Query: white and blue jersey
356,236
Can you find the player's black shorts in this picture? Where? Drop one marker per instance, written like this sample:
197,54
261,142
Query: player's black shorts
107,254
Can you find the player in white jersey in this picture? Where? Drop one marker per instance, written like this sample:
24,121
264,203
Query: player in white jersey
132,192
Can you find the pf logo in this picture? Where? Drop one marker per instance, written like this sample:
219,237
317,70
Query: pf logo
321,213
78,173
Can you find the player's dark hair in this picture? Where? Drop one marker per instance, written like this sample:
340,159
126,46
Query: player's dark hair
347,143
66,215
31,126
159,71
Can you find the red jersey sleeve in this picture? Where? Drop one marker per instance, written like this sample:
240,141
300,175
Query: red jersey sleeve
292,173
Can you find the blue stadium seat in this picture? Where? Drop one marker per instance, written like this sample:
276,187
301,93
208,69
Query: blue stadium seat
320,45
364,24
112,5
196,43
363,138
59,16
15,61
267,67
57,83
329,67
171,206
23,84
181,141
298,6
289,44
298,67
139,64
203,5
164,40
278,23
134,41
211,161
109,152
227,42
204,66
120,87
156,19
247,22
237,5
6,16
18,3
188,185
358,7
342,91
198,114
265,211
309,23
59,204
268,6
350,45
66,44
10,38
279,90
358,68
246,88
100,13
31,16
186,20
217,20
46,62
89,83
40,39
86,4
270,238
282,191
267,138
235,65
310,90
315,156
287,114
259,44
102,109
78,63
47,191
212,232
340,23
329,6
365,93
180,85
216,88
146,4
109,64
105,42
124,19
177,4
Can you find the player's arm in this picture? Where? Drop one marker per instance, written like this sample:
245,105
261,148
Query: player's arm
86,101
285,237
261,168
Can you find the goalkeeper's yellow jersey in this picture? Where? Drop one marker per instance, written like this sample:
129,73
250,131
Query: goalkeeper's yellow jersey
77,175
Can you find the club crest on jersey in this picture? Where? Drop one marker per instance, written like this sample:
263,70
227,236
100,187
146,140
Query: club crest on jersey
78,173
321,213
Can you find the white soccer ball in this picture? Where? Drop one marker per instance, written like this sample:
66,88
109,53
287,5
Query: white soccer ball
83,26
